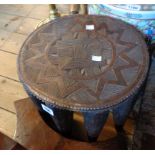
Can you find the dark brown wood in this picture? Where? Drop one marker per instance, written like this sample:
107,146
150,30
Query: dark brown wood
71,67
84,63
96,119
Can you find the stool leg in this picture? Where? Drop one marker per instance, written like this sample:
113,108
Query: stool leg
121,112
94,122
60,120
63,120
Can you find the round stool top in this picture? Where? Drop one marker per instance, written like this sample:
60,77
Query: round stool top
83,62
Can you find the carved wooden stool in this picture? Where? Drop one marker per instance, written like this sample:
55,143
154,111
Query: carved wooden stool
85,63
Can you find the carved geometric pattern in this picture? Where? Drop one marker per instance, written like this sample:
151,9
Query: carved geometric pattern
77,68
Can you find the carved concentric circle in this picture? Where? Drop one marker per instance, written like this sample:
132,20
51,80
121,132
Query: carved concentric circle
81,58
83,62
